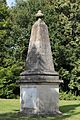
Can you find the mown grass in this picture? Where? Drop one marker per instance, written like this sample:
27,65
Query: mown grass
9,110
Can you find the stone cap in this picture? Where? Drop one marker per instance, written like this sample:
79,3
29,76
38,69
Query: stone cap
39,78
33,78
39,82
44,73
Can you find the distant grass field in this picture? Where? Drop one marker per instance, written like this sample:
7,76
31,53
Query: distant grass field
9,109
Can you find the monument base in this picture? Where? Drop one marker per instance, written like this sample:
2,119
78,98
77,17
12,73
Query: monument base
39,98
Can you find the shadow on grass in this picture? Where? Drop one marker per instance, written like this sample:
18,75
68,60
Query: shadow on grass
67,110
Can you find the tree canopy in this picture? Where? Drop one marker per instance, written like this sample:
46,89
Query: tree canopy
63,20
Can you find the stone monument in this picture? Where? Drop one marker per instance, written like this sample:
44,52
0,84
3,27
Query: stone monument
39,83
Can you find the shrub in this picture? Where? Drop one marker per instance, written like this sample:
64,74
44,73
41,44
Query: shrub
68,96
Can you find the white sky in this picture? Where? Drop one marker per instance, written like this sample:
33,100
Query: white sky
10,2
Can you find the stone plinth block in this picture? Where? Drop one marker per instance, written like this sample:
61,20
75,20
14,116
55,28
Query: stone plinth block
39,99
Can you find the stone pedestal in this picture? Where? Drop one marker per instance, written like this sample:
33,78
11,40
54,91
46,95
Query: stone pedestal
39,99
39,83
39,93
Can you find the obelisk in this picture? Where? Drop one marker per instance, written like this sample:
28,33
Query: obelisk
39,83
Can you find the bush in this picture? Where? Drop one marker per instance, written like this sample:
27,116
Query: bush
68,96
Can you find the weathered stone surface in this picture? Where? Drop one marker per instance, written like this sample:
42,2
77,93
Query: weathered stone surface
39,62
39,99
39,58
39,83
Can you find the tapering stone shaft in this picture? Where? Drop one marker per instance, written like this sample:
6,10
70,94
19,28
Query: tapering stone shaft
39,58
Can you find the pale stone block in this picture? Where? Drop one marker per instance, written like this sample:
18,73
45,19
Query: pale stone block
39,99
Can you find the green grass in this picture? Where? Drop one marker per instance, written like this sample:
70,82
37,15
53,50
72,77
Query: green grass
9,111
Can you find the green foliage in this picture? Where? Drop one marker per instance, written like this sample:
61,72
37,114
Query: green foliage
9,67
68,96
4,29
8,78
63,20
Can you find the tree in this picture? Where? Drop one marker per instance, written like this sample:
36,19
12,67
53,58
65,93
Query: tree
9,68
4,25
67,46
63,20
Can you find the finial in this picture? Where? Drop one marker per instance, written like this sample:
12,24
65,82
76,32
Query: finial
39,14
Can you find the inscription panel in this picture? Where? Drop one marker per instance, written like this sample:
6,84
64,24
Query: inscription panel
28,97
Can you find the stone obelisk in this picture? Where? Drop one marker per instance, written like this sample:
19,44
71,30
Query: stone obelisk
39,83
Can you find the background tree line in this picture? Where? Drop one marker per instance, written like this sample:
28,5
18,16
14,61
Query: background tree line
63,20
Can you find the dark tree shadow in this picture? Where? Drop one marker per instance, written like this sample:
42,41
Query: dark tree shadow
69,108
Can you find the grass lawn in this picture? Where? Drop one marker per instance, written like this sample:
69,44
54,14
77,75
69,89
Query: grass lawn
9,111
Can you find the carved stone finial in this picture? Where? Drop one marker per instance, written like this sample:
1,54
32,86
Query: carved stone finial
39,14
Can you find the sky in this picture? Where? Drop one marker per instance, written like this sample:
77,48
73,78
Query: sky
10,3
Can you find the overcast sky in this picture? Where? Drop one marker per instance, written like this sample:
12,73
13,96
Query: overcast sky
10,2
